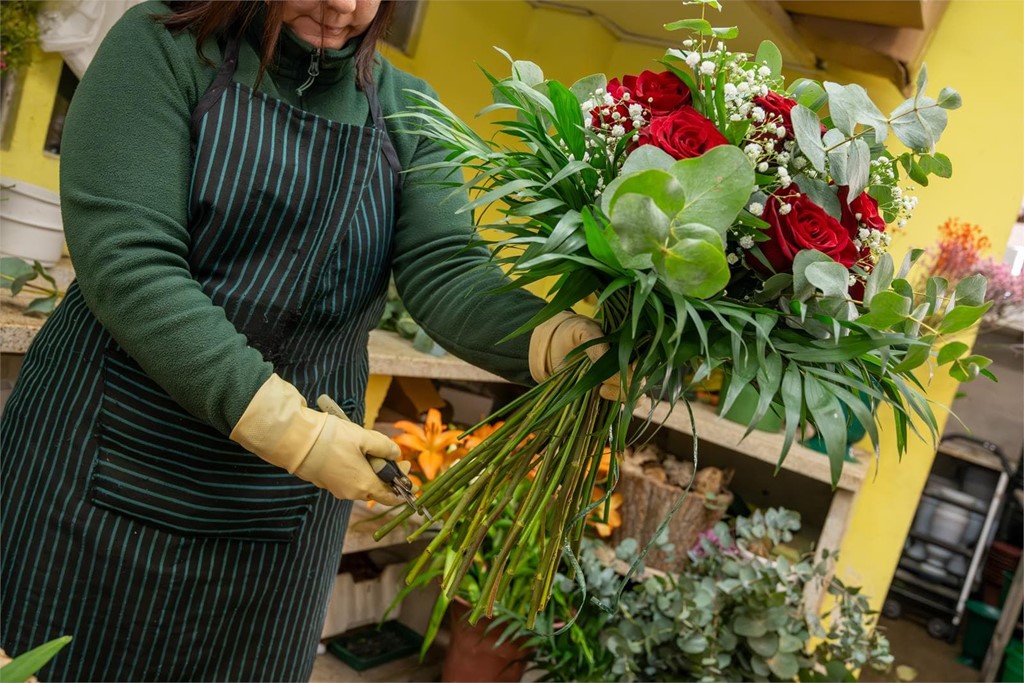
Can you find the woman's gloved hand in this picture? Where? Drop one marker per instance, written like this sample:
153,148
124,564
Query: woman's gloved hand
322,449
554,339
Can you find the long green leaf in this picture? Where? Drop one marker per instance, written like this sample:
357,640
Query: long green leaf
27,664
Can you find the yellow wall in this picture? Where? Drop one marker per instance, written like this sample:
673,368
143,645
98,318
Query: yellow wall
25,159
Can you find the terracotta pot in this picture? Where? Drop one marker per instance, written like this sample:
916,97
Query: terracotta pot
472,655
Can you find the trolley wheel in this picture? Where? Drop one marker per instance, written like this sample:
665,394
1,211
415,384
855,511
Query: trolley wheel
940,629
892,609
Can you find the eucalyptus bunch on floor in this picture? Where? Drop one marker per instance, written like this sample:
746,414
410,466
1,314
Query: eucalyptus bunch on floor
731,615
720,220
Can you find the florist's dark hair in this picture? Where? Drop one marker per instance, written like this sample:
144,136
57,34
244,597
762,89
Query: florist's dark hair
208,18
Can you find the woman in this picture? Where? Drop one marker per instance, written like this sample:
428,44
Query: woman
233,203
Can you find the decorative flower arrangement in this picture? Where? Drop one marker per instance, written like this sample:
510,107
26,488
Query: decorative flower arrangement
958,255
723,220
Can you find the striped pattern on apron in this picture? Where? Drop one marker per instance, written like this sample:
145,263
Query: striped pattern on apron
163,548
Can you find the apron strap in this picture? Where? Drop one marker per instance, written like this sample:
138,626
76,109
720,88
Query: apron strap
388,148
225,74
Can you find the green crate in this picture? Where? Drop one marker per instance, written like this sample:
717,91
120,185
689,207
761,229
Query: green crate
365,647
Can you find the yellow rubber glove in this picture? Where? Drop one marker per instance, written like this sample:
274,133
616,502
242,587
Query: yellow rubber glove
322,449
554,339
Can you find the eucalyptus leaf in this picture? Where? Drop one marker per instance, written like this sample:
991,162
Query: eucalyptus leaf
694,266
769,55
831,278
918,125
585,87
808,93
640,230
949,98
527,72
879,278
701,26
962,317
970,291
766,645
807,129
647,157
936,164
821,193
785,665
716,186
951,351
661,187
849,105
909,260
749,627
858,168
838,157
773,287
803,288
887,309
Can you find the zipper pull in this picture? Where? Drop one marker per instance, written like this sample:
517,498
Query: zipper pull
314,71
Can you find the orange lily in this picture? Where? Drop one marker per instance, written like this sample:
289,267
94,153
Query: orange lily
605,528
430,445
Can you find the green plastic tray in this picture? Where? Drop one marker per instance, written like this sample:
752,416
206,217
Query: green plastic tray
369,646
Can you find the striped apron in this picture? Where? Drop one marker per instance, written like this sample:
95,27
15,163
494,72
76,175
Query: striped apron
162,547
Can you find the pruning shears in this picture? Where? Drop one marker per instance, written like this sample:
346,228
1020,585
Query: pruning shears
386,470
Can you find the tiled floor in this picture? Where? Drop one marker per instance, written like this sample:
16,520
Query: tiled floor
934,660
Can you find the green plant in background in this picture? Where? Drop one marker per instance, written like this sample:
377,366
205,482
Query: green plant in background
19,31
396,319
17,275
514,593
733,614
22,667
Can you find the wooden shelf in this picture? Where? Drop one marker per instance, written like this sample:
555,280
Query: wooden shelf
393,355
764,446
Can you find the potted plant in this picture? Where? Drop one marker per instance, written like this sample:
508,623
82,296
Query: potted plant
489,647
736,612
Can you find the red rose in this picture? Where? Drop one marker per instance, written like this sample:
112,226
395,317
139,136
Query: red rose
778,110
660,93
684,134
862,211
806,226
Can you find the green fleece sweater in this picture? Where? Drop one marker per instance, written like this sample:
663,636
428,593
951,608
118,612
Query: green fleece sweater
125,168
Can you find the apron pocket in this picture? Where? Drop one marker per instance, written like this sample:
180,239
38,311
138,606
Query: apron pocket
162,466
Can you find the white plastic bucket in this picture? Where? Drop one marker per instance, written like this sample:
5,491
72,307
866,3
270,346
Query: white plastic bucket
30,222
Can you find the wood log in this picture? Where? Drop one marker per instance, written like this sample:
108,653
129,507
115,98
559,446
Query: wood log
648,498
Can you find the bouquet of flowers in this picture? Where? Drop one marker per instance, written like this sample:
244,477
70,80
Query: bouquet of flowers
720,219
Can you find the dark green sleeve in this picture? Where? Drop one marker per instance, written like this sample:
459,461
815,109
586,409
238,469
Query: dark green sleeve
124,180
445,287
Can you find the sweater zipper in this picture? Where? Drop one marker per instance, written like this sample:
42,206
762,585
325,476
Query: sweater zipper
313,71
